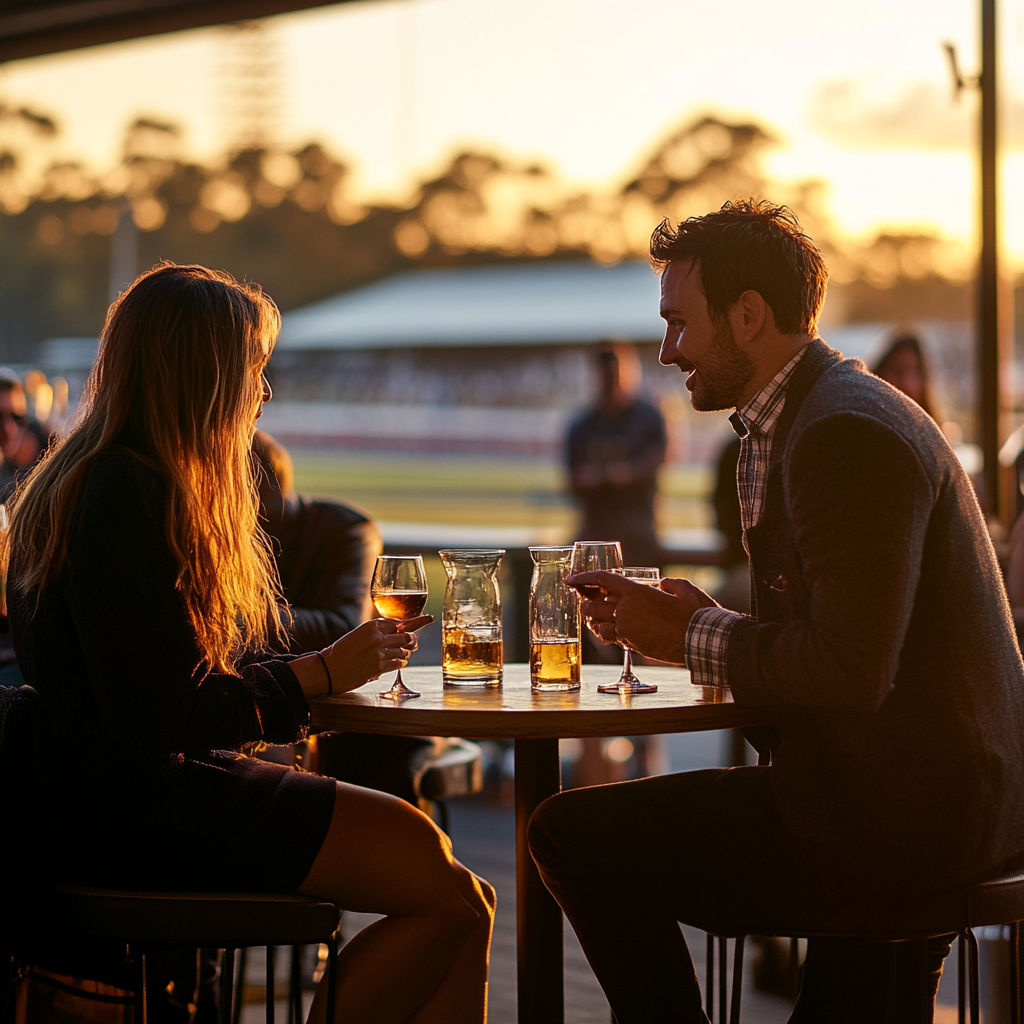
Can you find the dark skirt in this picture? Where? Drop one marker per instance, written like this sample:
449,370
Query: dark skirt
223,823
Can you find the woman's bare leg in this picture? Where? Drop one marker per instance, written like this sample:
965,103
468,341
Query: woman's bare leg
427,960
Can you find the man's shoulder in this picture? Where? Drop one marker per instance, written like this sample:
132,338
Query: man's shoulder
847,391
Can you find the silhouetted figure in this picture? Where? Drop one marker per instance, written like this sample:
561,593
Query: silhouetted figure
325,553
903,365
22,439
614,452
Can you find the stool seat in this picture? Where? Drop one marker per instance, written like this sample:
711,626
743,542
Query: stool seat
215,920
996,901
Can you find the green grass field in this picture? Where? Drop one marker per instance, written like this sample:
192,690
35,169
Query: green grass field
475,490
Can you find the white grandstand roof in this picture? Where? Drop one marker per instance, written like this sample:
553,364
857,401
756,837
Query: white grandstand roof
506,304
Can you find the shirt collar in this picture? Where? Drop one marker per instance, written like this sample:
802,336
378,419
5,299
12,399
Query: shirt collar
762,412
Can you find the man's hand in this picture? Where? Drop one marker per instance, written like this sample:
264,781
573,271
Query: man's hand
652,621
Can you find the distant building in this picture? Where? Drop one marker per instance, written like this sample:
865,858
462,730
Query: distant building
489,359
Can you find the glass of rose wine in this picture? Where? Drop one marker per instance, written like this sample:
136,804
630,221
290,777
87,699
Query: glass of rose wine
399,591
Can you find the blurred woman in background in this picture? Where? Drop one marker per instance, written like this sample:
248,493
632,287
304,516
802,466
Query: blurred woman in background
904,366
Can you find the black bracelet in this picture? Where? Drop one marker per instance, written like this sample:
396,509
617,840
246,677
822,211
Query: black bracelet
330,681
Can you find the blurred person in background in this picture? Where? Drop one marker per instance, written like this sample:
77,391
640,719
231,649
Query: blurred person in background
614,451
903,365
325,552
22,438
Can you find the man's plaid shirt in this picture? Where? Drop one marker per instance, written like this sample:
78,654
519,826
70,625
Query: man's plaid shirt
707,639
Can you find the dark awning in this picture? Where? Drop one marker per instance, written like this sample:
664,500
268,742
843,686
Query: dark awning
29,28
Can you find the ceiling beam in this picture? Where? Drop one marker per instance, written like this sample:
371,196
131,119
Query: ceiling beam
30,28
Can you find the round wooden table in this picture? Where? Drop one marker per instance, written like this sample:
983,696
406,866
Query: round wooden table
536,722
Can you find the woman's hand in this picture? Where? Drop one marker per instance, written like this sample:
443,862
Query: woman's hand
370,650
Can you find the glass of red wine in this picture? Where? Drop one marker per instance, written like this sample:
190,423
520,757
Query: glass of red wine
399,591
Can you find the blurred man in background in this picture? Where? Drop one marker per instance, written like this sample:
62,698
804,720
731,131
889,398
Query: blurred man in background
614,452
325,553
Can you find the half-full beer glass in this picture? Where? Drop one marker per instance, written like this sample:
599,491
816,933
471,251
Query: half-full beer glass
554,621
471,618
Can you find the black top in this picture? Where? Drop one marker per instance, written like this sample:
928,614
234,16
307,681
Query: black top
136,712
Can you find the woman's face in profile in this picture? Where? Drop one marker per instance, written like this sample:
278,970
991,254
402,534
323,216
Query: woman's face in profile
903,370
263,388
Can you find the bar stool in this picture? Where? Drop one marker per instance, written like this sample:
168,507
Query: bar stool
148,921
453,768
997,901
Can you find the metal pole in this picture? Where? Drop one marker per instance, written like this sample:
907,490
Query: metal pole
989,395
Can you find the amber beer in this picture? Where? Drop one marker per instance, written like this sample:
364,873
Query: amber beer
555,664
471,657
400,604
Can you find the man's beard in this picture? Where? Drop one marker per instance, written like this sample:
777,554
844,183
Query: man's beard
725,374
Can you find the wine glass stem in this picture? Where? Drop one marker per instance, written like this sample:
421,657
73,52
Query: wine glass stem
627,664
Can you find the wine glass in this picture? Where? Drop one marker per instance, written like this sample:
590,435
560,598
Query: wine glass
591,555
628,683
399,591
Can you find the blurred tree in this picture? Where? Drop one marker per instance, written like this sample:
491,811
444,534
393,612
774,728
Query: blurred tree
289,221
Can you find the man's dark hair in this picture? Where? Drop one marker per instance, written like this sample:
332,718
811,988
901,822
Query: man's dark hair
749,244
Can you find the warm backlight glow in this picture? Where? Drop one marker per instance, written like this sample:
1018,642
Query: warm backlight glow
858,96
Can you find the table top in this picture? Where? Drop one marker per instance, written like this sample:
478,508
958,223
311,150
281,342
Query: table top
513,710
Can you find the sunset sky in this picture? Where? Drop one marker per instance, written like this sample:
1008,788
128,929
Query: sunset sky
858,93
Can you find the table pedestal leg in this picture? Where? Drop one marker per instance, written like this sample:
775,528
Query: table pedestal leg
538,916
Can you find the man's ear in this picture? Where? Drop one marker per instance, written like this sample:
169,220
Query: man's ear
749,315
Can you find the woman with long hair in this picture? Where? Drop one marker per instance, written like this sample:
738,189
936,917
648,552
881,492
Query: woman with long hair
903,365
142,596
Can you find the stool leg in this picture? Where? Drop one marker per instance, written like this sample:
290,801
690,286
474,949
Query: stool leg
961,992
295,988
236,1010
972,964
794,967
890,984
145,996
723,981
227,984
332,978
1015,972
709,977
270,984
737,979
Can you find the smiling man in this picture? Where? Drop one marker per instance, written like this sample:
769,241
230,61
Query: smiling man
879,633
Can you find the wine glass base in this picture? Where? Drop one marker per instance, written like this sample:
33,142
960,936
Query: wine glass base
399,692
628,686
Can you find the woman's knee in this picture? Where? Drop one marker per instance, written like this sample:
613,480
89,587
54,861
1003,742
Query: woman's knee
479,895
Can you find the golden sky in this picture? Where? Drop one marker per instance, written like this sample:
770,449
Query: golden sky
857,91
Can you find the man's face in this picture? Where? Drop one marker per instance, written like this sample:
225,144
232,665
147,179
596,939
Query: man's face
12,421
706,350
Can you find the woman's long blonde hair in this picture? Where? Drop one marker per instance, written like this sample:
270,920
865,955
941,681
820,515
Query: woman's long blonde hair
180,366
